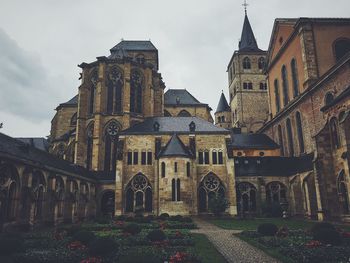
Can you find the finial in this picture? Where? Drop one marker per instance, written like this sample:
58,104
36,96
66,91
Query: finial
245,6
222,91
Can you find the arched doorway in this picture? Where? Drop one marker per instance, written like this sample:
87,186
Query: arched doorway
208,189
138,195
246,198
108,203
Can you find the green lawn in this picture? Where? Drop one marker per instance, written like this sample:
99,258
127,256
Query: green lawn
206,250
252,224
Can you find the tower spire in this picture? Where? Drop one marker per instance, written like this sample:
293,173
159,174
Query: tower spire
245,6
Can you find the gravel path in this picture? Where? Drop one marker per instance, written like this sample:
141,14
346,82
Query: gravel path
231,247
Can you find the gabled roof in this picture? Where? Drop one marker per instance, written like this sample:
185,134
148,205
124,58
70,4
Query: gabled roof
180,97
134,45
248,41
171,125
39,143
223,105
252,141
72,102
175,148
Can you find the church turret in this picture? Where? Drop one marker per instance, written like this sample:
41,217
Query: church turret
247,82
223,113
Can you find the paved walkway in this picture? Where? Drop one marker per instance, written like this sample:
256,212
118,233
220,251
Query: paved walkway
231,247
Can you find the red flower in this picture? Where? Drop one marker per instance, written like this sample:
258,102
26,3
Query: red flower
313,244
91,260
76,245
178,234
178,257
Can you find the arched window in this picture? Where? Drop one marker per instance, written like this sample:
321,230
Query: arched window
285,85
341,48
261,63
246,63
188,169
175,190
75,197
163,169
334,133
111,134
136,91
89,145
246,198
210,187
290,137
38,188
114,94
277,95
328,98
343,192
276,192
138,194
166,113
293,65
73,120
184,113
59,196
300,132
280,139
94,80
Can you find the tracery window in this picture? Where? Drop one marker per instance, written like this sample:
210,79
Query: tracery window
136,91
114,90
276,192
246,63
293,65
261,63
59,196
38,188
111,139
277,95
341,48
89,145
246,198
290,137
138,194
300,132
9,187
334,133
343,192
210,187
285,85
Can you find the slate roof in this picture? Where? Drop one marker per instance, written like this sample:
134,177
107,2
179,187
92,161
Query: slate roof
134,45
252,141
272,166
170,125
180,97
72,102
175,148
248,41
223,105
39,143
18,150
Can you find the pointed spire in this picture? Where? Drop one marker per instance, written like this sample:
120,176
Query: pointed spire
223,105
248,41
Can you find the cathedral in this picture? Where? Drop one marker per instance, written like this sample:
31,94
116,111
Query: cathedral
125,143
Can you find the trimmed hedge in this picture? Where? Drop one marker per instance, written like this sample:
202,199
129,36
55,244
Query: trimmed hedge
328,236
156,235
103,246
267,229
84,237
132,229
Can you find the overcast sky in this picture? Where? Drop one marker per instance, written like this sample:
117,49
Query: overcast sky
43,41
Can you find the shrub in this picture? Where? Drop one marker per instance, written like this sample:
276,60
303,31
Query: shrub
84,237
176,218
323,225
103,246
142,219
132,229
187,219
156,235
267,229
328,236
10,245
140,258
103,220
164,216
218,205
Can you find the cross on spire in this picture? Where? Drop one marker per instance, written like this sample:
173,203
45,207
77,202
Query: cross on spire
245,6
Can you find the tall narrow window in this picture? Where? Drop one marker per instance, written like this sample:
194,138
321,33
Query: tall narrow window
280,139
111,133
175,167
300,132
129,158
285,85
143,158
290,138
89,146
136,90
334,133
293,65
136,157
149,158
277,95
215,157
173,190
221,159
188,169
206,157
110,98
94,80
261,63
163,169
178,190
201,157
246,63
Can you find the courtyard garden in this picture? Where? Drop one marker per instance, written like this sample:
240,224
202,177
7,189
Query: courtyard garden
122,239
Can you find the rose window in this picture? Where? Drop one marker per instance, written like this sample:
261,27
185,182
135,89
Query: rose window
113,129
139,182
211,183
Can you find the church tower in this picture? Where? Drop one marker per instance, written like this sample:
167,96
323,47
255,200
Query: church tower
247,82
223,113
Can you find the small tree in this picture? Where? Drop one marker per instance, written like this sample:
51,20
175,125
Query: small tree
218,205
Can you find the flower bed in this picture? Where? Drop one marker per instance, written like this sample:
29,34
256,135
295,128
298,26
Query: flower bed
303,245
